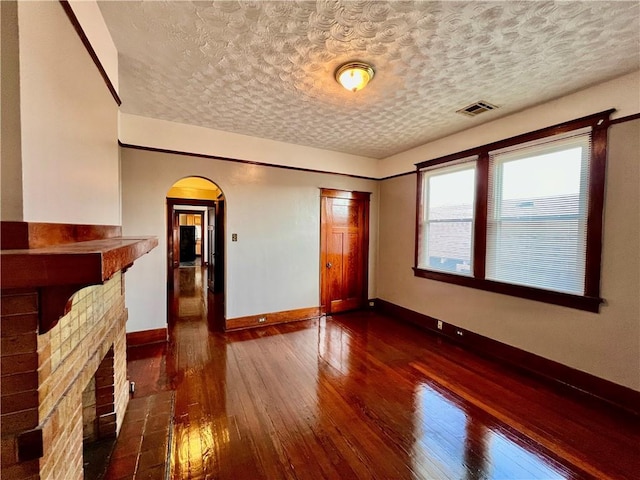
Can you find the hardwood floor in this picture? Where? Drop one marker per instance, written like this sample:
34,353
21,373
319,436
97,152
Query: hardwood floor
362,396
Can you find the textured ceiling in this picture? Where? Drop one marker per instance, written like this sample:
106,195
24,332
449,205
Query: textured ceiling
265,68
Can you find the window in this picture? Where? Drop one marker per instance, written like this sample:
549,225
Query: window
537,216
521,217
447,233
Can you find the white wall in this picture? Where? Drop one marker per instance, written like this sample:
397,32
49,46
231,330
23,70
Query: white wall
606,344
70,166
149,132
622,93
274,265
90,17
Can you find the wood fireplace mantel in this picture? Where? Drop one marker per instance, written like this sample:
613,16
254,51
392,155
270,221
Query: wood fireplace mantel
61,259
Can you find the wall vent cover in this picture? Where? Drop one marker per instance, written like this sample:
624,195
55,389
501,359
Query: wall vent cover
477,108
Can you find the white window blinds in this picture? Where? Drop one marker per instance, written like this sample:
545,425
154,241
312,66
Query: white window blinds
537,213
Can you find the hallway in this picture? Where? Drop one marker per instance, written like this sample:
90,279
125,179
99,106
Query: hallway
361,396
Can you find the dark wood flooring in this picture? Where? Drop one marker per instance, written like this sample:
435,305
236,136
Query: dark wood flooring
362,396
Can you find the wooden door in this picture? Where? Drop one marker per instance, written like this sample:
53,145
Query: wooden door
344,250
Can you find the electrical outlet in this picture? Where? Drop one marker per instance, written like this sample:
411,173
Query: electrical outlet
262,319
234,237
439,324
371,303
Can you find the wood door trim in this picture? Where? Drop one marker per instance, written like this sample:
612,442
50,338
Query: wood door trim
365,197
173,202
191,212
324,305
191,202
329,192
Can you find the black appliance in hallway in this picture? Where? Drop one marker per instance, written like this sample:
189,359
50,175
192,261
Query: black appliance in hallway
187,243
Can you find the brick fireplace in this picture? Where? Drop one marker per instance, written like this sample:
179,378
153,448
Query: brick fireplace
63,340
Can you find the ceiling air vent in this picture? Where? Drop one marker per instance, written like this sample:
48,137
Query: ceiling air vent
476,108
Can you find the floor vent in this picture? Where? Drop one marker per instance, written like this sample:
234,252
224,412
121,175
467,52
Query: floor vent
476,108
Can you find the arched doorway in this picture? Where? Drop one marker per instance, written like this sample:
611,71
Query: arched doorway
195,240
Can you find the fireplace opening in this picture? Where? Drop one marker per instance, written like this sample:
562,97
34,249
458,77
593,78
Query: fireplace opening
98,420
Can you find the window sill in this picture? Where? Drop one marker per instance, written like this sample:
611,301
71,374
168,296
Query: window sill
588,304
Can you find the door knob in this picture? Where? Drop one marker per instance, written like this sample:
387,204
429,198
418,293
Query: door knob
329,265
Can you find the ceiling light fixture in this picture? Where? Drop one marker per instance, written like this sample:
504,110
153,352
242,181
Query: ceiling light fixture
354,76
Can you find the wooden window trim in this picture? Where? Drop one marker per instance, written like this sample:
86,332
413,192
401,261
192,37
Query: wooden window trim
591,300
480,220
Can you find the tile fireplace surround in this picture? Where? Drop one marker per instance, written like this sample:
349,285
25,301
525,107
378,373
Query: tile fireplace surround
63,340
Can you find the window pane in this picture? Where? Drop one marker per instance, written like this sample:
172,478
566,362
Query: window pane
449,246
447,226
536,231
